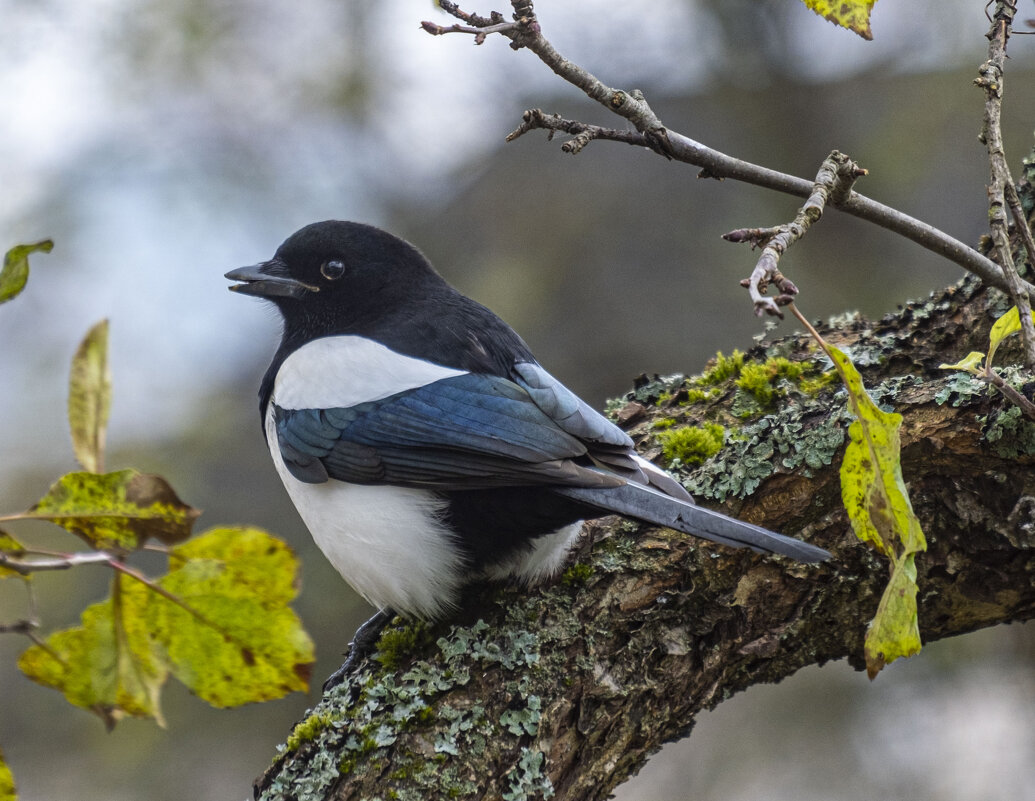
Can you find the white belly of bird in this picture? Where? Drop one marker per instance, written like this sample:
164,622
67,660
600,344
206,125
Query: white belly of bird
387,542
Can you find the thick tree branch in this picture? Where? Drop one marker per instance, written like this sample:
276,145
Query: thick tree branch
656,136
569,689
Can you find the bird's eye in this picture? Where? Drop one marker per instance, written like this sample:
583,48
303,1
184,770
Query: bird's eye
332,270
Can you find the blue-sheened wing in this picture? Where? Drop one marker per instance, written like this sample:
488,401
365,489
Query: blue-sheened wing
465,432
567,410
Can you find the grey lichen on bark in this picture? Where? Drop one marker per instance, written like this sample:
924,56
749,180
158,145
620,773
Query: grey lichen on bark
566,691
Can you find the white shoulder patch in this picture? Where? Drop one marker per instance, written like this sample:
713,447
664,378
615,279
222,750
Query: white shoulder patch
341,371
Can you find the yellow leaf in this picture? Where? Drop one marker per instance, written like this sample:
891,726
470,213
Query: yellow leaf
249,645
16,268
116,510
851,14
971,364
108,664
12,547
7,792
895,630
877,501
1009,323
89,398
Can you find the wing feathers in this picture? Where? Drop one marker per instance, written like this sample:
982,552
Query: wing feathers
475,431
465,432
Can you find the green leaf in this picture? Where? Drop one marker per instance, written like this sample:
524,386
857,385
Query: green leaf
877,501
7,792
219,621
250,646
116,510
16,268
851,14
108,664
11,546
970,364
89,398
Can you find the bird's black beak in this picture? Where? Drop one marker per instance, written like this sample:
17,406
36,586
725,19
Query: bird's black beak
268,280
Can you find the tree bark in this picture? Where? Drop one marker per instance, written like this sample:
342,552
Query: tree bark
566,691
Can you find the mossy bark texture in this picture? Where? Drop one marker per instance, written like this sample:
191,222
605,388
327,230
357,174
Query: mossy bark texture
565,691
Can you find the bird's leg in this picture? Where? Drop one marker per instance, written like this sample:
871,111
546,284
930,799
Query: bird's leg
362,645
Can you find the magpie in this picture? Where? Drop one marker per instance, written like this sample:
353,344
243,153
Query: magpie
424,446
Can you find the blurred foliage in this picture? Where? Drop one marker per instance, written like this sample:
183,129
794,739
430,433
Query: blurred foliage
89,398
219,620
15,272
7,792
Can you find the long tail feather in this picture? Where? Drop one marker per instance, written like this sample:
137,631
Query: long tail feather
647,504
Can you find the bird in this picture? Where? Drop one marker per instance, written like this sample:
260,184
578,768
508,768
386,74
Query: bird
423,445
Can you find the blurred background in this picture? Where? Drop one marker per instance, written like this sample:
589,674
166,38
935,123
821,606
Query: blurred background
161,143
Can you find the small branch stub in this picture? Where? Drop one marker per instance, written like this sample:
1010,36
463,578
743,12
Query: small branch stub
582,134
833,184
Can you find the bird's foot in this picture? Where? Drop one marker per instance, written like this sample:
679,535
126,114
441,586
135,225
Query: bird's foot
362,645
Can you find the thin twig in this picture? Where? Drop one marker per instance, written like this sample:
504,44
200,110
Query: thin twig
582,133
62,562
990,78
19,627
479,33
990,376
834,180
654,135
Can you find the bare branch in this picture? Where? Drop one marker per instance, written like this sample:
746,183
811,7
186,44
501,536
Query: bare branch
583,134
990,376
990,78
479,33
671,144
833,181
481,27
59,562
